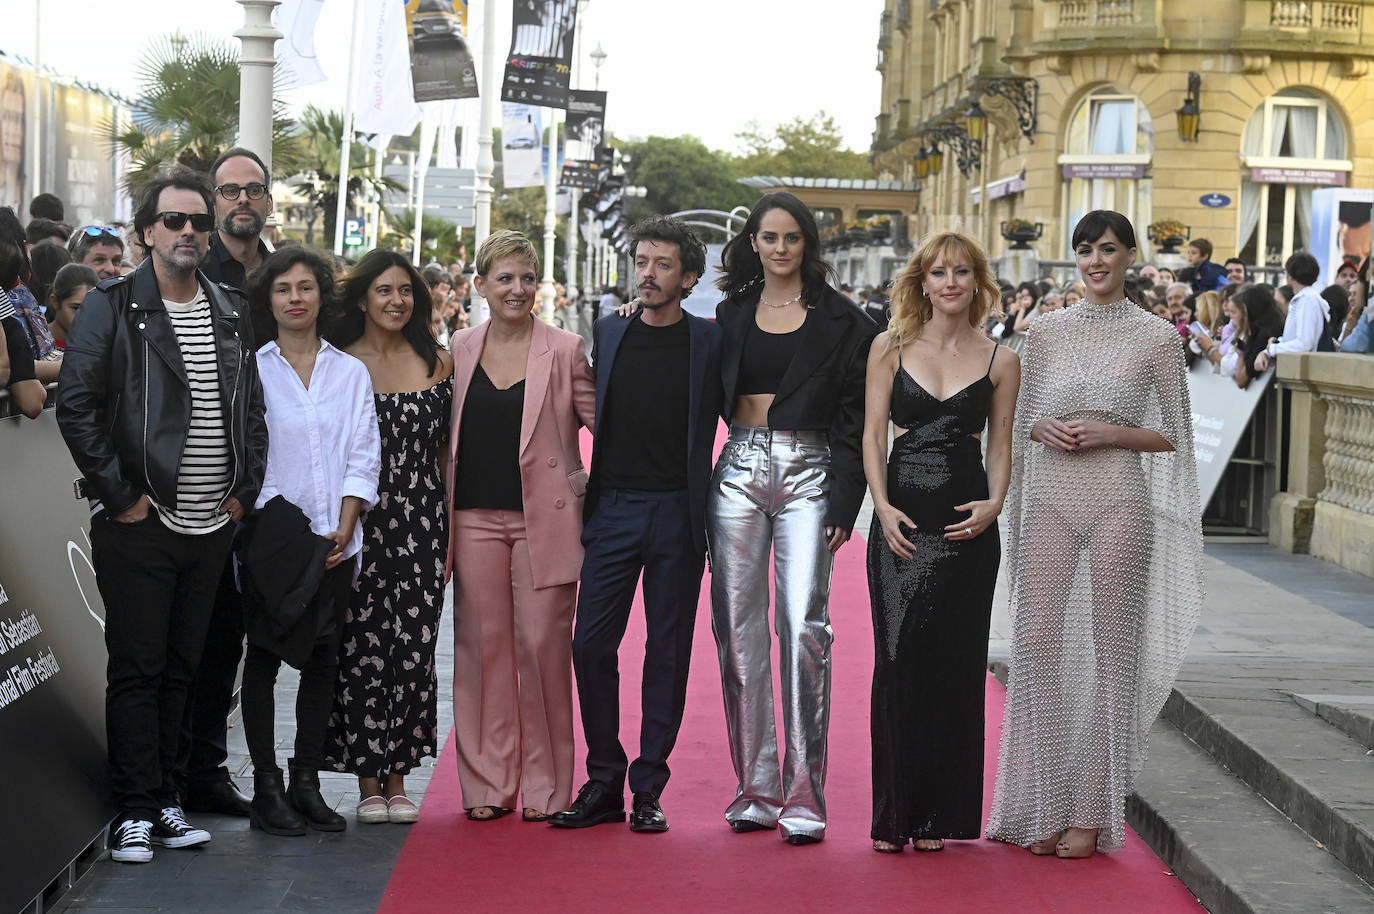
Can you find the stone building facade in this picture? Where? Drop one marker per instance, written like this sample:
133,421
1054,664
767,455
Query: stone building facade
1083,102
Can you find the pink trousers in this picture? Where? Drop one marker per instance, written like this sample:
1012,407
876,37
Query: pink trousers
512,668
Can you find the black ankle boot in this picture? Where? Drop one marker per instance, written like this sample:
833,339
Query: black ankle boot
304,796
269,810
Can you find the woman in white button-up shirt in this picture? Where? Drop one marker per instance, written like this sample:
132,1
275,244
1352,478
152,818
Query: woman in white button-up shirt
324,456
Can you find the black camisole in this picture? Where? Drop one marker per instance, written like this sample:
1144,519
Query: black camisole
765,359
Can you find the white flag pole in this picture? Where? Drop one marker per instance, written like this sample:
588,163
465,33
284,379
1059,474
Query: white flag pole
341,211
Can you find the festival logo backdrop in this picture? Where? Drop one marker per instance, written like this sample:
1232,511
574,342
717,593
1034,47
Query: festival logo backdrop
541,46
440,60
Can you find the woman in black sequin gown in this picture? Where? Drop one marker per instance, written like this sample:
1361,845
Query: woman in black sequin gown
934,549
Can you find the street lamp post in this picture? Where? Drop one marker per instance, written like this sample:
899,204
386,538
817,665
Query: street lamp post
256,64
486,162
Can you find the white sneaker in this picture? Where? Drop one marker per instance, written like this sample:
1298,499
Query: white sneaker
172,830
130,842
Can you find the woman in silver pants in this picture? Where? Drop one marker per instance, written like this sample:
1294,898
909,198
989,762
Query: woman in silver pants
790,478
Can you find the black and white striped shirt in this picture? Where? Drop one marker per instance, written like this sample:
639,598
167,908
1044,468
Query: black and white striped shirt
204,475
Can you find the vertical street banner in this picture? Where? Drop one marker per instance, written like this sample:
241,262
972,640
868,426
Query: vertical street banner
83,177
586,123
385,101
522,141
540,61
18,101
440,59
297,63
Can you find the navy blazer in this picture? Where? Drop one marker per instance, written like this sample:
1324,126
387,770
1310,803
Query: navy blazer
703,411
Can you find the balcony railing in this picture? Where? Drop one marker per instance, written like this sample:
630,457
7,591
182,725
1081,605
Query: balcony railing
885,31
1087,13
903,15
1339,18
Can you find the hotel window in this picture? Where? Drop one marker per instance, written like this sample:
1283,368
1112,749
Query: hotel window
1107,147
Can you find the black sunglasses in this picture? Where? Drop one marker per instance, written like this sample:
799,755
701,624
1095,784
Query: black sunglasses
255,190
173,222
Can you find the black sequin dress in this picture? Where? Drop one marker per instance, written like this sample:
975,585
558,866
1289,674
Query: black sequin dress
930,621
385,707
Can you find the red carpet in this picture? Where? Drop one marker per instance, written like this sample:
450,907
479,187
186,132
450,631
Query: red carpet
452,864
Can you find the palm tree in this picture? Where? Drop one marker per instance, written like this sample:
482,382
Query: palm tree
320,137
187,111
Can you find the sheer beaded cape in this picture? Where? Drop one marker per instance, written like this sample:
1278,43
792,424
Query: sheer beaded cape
1104,561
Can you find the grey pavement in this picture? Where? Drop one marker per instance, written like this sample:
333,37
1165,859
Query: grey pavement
1278,686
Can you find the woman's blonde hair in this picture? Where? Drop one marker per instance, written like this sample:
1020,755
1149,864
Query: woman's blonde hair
911,309
1209,309
502,244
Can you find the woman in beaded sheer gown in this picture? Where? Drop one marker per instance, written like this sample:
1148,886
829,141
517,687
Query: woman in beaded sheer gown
385,707
934,548
1104,556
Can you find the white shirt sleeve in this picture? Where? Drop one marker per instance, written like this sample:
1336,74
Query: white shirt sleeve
1303,328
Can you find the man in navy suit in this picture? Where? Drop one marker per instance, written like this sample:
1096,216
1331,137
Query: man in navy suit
658,400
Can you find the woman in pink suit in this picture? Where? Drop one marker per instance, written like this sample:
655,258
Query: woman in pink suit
521,392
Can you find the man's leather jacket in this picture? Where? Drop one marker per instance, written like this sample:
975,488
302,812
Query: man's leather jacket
123,401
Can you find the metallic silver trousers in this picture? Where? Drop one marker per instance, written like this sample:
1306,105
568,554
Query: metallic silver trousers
770,488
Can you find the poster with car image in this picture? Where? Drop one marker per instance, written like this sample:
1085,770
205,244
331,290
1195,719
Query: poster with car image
522,146
540,60
440,60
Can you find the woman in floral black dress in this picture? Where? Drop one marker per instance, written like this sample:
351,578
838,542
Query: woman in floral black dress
385,708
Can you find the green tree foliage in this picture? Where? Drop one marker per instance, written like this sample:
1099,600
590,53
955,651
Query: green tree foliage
681,173
320,137
187,111
438,240
799,148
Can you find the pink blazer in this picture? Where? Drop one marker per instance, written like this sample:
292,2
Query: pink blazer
560,398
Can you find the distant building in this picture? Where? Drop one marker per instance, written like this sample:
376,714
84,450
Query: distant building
1087,101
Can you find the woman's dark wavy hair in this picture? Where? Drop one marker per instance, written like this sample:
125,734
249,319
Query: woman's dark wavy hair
1263,316
260,289
17,267
351,323
741,268
1036,291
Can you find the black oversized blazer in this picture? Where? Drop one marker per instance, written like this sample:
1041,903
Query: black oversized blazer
822,389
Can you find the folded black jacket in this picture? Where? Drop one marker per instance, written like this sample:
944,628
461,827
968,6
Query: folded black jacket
281,565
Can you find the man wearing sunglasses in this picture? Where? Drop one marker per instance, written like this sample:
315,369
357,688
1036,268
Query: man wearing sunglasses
243,201
160,405
100,247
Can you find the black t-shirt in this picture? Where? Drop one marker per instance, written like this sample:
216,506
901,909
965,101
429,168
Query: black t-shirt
488,470
21,357
644,430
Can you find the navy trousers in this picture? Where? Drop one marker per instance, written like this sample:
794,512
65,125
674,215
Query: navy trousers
630,532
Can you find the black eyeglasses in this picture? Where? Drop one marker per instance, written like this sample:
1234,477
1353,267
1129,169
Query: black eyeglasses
95,231
255,190
174,222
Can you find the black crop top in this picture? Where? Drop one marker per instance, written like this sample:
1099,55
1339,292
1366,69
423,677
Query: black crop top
765,359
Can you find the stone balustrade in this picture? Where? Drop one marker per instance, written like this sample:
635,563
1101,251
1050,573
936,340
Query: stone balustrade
1327,507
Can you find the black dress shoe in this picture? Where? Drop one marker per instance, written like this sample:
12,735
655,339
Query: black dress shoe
595,804
219,798
647,815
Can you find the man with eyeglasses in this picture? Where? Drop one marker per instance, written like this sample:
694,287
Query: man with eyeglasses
242,203
100,247
160,405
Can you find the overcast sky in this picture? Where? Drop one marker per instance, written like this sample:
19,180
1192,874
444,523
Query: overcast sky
704,67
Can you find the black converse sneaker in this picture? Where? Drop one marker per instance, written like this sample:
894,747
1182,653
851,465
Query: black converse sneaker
131,843
172,830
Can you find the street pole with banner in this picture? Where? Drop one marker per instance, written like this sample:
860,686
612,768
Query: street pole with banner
341,206
486,163
546,289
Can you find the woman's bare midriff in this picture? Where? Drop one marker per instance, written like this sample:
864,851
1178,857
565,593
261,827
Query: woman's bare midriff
751,410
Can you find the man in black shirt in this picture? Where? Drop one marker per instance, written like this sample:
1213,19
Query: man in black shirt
658,399
243,200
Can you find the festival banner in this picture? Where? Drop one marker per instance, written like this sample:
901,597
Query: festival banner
522,142
297,63
586,123
18,101
440,60
52,665
84,178
540,61
386,103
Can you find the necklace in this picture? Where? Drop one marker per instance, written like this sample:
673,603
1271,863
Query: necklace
791,301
